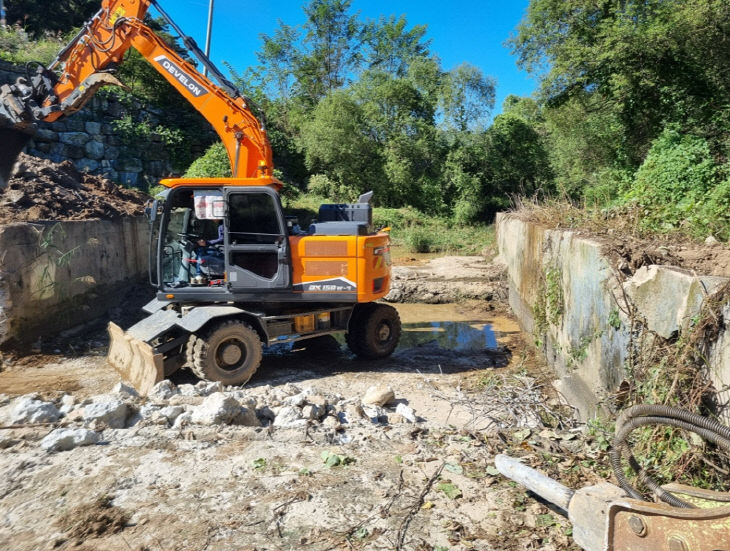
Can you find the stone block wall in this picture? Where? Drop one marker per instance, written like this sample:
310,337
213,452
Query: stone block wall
89,139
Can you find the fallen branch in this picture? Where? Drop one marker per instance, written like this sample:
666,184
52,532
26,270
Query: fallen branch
416,507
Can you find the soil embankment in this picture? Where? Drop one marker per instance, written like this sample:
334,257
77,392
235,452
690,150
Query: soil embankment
43,190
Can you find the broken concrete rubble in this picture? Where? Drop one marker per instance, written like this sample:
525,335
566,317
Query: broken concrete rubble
30,410
68,439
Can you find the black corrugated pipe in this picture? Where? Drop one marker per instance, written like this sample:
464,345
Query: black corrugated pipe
639,416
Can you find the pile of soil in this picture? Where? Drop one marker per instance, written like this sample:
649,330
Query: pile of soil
43,190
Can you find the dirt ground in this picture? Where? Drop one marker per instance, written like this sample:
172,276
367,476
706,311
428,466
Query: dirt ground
464,368
43,190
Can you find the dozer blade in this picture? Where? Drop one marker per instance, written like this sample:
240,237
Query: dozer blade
135,360
12,142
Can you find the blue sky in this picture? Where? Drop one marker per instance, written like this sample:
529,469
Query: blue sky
468,30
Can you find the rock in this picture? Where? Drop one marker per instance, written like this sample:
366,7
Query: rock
4,399
246,417
74,138
354,412
29,410
216,409
312,412
206,388
188,390
378,395
125,391
297,400
68,439
172,412
109,410
395,418
68,402
86,165
318,400
406,412
183,420
711,241
179,400
94,150
331,422
375,413
266,413
287,416
93,128
163,390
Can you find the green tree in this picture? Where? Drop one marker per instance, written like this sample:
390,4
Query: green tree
39,16
391,46
650,61
467,97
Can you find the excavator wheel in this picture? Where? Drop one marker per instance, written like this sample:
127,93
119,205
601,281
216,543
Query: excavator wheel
229,352
374,331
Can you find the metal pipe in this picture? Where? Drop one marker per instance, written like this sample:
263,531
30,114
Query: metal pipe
536,482
208,35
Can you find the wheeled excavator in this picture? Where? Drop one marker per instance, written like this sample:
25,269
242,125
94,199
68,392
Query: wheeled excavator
232,273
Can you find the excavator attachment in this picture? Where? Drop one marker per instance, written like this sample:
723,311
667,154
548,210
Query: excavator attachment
135,360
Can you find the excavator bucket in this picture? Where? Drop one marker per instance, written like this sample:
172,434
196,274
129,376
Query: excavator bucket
12,142
135,360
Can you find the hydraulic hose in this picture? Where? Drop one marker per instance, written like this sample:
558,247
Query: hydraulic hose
643,415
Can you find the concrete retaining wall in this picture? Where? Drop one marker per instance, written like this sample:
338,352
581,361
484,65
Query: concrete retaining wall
565,293
54,275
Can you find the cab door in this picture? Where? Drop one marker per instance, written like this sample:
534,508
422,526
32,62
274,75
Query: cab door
256,240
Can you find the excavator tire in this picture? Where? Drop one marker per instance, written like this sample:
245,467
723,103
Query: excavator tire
229,352
374,331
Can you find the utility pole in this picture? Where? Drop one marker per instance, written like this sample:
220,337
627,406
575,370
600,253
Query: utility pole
207,36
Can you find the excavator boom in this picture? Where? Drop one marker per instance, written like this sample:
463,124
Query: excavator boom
89,62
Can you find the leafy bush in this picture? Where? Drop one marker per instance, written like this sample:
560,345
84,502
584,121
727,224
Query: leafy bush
674,182
213,164
17,46
419,240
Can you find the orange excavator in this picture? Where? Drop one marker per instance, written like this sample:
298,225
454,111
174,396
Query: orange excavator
233,274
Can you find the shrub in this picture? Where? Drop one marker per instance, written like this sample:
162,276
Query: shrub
419,240
213,164
672,184
17,46
324,186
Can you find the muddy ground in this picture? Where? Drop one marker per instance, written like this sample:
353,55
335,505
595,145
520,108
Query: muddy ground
464,369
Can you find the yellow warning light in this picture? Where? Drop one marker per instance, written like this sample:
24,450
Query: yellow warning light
170,297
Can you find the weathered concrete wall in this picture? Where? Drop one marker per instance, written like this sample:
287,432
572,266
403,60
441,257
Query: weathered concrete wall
565,293
55,275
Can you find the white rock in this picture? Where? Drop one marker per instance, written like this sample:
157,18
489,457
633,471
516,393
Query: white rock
287,416
125,391
247,418
109,410
374,412
188,390
711,241
183,420
67,404
4,399
406,412
172,412
206,388
378,395
163,390
216,409
312,412
354,413
28,410
68,439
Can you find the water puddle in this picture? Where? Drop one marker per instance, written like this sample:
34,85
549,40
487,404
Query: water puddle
451,327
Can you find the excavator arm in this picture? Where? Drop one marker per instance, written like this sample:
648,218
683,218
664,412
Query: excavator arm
90,60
